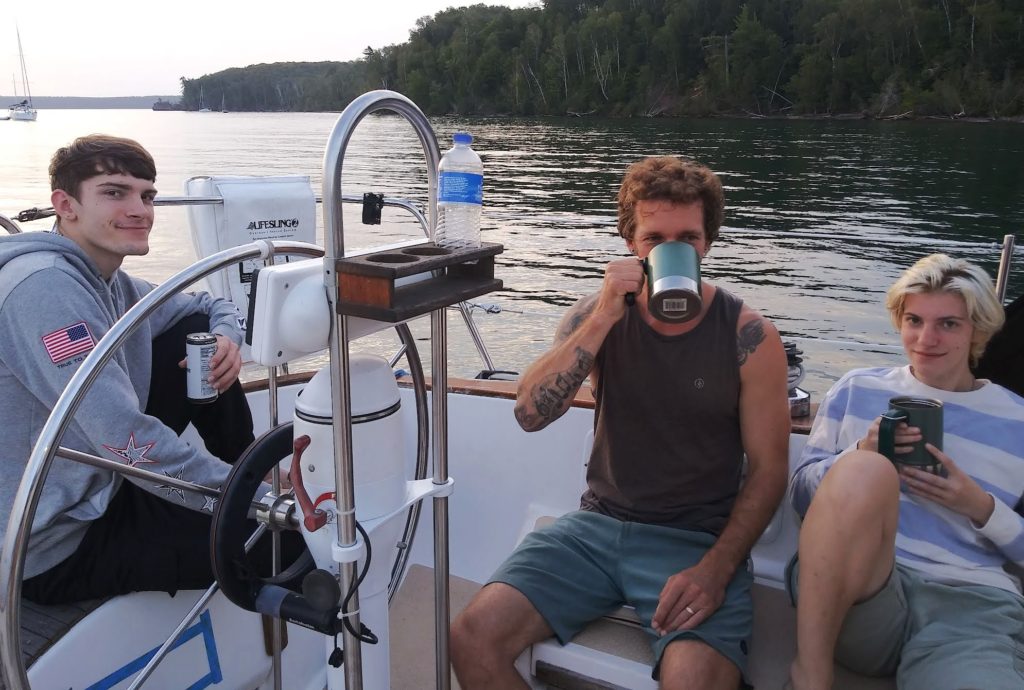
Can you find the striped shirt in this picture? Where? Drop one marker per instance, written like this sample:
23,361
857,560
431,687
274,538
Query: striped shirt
983,434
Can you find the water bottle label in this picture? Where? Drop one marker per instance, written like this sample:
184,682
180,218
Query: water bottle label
461,188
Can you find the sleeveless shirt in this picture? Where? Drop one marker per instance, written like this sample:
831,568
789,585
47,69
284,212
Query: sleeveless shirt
667,446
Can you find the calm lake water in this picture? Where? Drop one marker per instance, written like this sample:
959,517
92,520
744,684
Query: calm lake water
821,216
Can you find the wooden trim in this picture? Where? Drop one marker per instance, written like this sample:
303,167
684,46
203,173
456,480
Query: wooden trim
283,380
498,389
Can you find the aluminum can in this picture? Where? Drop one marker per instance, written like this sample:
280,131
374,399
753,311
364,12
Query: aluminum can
199,349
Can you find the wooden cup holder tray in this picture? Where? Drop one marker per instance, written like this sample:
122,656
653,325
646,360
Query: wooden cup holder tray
367,284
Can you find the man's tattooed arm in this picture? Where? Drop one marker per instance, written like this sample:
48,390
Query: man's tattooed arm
549,399
750,336
548,388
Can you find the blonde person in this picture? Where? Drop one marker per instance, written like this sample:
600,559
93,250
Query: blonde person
903,571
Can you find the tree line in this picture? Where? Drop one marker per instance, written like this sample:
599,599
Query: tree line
876,58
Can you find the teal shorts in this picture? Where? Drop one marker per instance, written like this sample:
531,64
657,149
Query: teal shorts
934,636
585,565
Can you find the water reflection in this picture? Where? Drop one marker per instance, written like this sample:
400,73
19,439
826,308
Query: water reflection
821,216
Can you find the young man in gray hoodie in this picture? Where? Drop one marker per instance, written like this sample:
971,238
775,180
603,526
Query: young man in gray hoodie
94,533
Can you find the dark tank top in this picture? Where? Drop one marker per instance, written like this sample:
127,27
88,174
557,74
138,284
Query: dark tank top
667,447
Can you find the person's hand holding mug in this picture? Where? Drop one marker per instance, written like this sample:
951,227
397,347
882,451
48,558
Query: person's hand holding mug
904,438
956,491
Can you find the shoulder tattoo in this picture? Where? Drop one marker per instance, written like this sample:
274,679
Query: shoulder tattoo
750,336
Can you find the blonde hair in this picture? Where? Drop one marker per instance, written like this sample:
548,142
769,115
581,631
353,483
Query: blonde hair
942,273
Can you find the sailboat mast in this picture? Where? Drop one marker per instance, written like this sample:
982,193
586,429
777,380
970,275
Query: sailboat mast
24,74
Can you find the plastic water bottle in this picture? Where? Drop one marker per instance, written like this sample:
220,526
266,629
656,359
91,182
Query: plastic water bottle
459,195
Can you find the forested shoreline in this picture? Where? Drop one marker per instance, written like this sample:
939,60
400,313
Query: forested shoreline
863,58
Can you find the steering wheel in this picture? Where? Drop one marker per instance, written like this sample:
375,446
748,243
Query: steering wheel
237,573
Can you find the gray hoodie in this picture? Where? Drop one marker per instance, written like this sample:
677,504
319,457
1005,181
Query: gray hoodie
54,307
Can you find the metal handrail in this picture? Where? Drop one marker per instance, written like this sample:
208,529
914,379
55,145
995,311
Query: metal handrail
15,543
334,235
9,225
48,211
1003,277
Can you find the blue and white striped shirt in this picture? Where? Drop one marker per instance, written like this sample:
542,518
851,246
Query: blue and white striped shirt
983,434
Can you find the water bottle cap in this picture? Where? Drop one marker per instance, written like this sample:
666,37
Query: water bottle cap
462,138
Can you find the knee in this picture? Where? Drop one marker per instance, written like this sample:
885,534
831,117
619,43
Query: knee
689,663
461,637
861,480
472,642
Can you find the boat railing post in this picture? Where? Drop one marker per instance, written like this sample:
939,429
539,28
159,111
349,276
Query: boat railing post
439,392
276,624
341,403
1005,259
9,225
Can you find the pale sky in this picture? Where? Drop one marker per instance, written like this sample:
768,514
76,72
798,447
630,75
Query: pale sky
121,48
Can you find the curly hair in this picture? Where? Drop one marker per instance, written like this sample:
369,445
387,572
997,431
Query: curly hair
942,273
98,154
667,178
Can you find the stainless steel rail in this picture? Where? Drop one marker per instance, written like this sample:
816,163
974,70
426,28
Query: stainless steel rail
1003,277
9,225
12,555
166,200
138,473
334,235
419,388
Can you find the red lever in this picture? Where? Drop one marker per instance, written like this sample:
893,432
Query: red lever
314,517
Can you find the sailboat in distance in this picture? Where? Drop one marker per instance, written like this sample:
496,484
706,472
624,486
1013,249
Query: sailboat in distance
23,111
202,105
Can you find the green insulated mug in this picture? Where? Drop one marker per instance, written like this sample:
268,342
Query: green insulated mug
673,282
923,413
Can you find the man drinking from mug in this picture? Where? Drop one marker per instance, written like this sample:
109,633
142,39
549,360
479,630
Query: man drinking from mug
664,525
903,570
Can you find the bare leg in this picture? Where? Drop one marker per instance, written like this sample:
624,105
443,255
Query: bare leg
490,634
847,550
689,663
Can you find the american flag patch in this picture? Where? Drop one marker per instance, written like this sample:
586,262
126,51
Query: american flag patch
68,342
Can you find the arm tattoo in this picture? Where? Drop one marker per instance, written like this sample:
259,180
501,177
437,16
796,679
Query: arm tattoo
750,336
550,398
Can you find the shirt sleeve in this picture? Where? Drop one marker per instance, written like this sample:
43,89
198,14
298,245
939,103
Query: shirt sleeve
821,451
45,347
1005,529
225,319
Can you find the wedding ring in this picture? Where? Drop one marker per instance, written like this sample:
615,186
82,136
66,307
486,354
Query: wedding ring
689,610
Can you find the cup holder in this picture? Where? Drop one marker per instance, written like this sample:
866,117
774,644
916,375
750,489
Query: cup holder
392,258
427,251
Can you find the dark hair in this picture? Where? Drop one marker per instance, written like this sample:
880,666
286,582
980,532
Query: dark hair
667,178
98,154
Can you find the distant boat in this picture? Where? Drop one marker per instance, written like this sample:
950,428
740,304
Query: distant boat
223,107
23,111
202,106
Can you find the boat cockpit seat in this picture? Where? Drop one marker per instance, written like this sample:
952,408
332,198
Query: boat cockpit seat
42,626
